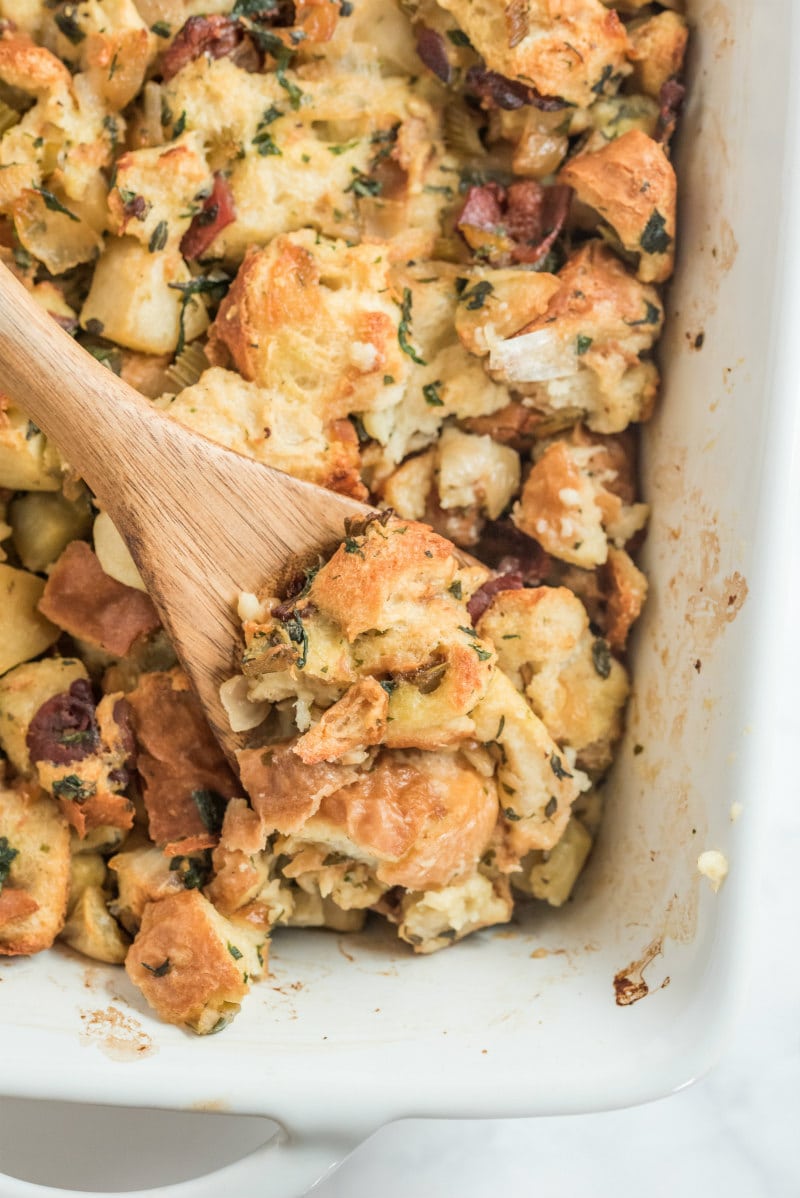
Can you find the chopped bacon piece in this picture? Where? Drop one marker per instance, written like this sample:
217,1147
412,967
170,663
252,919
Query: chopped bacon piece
505,549
510,580
433,52
218,212
216,35
670,98
83,600
496,91
187,781
64,729
519,223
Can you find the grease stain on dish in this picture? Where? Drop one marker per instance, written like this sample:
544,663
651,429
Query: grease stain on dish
629,983
120,1037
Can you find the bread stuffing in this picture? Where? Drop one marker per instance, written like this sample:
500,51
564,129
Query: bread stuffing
411,251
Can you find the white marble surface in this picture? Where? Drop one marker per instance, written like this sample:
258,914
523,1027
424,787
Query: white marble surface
735,1133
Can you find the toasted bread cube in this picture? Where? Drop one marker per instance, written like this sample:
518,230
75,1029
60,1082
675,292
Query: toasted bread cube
22,693
631,183
85,870
91,929
438,918
34,846
26,632
143,876
132,298
659,44
159,187
553,878
192,965
28,462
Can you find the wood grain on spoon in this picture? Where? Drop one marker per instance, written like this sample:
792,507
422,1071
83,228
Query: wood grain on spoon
201,522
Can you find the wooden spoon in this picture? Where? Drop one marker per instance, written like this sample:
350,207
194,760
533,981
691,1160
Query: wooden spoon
201,522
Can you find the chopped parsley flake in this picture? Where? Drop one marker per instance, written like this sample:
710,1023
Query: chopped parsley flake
55,205
655,239
7,855
404,328
582,343
601,657
158,238
431,393
211,808
557,767
158,971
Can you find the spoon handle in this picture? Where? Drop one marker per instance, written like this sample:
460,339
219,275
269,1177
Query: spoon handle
100,424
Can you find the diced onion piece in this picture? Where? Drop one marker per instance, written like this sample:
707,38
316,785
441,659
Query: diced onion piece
242,712
113,554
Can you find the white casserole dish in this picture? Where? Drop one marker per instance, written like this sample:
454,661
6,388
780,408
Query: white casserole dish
350,1033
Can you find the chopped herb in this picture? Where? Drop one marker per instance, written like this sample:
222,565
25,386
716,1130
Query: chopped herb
483,654
112,70
55,205
235,952
601,657
161,29
345,8
500,727
94,327
388,380
582,343
72,788
551,807
349,145
404,328
358,425
265,144
637,749
477,296
211,808
651,316
445,191
299,636
352,546
655,239
22,258
180,125
244,8
510,636
31,430
431,393
271,44
74,736
455,589
68,25
158,238
194,872
199,285
600,86
511,814
158,971
459,38
7,855
557,767
389,685
112,129
362,185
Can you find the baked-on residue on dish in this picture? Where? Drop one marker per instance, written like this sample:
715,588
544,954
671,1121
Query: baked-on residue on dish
409,252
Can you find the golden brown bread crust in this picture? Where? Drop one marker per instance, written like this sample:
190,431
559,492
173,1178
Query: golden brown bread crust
627,591
192,972
658,46
33,899
178,756
406,563
632,184
358,719
31,68
423,818
285,792
83,600
566,48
